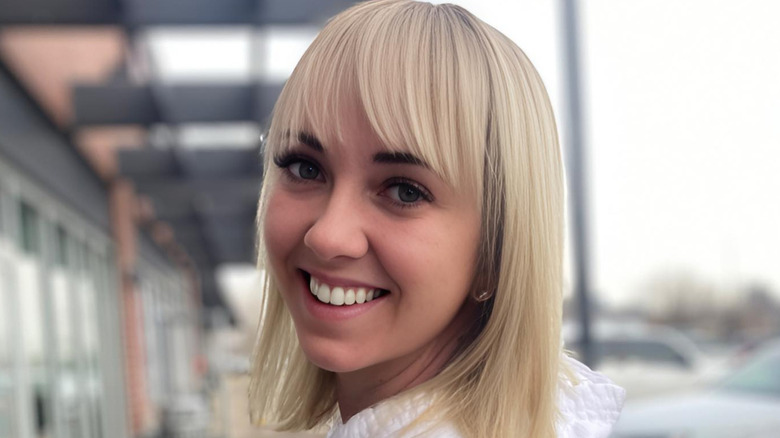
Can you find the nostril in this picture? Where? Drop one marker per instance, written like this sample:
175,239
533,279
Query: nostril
332,237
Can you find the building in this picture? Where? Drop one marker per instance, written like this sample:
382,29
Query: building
110,229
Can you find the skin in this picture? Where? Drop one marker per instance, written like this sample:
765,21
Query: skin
340,214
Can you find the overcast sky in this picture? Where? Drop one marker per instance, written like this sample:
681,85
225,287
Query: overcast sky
682,102
683,107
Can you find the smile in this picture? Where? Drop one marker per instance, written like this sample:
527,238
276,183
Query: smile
342,295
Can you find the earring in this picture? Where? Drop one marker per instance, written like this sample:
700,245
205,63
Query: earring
483,295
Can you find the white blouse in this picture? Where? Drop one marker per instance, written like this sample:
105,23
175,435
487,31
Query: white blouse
588,409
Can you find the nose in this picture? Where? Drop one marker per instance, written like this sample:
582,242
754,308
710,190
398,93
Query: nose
338,231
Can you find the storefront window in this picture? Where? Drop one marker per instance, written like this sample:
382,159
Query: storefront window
3,226
33,321
65,320
154,330
6,359
88,365
30,235
57,337
7,409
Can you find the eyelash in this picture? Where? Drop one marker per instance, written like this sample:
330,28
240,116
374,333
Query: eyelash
425,195
285,161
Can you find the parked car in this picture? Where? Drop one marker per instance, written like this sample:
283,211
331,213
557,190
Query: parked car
647,359
745,404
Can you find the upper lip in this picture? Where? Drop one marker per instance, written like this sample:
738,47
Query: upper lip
331,280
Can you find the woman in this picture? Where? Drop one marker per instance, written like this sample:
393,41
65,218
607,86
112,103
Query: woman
411,225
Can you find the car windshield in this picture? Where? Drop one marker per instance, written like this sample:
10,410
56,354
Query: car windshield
760,376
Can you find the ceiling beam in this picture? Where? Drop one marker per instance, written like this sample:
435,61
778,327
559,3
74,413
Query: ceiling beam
214,162
138,13
126,104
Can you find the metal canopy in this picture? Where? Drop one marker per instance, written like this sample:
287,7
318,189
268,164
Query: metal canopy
112,104
134,13
207,196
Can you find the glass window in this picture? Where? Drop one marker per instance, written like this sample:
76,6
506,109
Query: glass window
50,324
7,406
61,254
154,330
3,226
30,238
89,366
759,376
638,349
65,320
92,306
8,293
33,322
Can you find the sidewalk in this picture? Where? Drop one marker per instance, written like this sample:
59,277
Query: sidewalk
231,411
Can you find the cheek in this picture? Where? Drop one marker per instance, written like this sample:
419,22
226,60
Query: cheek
283,227
439,255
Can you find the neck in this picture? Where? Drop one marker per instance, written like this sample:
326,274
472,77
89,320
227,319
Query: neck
358,390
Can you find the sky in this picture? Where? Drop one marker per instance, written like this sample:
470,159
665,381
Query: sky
681,104
683,112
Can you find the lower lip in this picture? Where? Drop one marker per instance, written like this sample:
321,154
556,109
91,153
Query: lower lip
320,310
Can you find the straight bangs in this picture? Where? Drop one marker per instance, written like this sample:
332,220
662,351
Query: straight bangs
436,82
399,66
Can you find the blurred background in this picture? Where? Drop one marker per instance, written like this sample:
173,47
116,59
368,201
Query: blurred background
130,168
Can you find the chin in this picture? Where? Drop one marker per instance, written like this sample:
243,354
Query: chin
336,360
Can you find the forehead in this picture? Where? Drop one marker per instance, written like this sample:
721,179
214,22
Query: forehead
372,113
347,127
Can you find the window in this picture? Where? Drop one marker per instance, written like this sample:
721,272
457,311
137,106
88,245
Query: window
61,255
3,226
30,239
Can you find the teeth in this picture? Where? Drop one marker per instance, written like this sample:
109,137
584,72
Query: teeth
340,296
337,296
323,293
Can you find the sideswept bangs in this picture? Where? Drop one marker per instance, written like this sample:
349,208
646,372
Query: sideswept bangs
404,67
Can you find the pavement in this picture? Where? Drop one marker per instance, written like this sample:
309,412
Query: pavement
231,409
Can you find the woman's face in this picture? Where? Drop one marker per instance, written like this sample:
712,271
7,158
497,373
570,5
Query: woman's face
351,220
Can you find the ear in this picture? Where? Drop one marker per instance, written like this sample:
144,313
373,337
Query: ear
482,288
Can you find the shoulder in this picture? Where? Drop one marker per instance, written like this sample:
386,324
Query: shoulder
589,403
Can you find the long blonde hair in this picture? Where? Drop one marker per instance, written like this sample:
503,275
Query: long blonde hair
436,81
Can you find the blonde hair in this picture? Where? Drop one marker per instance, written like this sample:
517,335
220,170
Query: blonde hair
436,81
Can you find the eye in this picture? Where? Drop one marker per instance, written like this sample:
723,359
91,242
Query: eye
406,193
304,169
299,168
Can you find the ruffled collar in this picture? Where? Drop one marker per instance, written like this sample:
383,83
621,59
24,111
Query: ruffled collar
589,405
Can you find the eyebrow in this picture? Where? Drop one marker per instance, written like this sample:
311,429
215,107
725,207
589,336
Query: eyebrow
399,158
311,141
